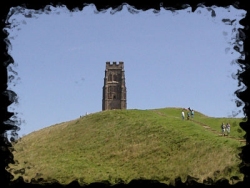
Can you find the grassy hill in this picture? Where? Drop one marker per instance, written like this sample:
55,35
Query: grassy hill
131,144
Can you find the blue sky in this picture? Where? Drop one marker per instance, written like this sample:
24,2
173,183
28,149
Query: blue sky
171,59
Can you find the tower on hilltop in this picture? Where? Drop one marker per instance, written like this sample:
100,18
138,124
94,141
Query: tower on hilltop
114,89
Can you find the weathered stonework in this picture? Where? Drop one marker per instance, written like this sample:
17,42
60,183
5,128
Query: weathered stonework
114,89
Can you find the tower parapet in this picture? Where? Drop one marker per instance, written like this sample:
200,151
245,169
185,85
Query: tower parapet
120,65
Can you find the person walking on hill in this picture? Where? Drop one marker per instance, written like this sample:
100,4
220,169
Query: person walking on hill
228,128
183,115
223,129
188,115
192,113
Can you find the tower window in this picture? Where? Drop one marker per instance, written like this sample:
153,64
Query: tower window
110,77
119,77
109,96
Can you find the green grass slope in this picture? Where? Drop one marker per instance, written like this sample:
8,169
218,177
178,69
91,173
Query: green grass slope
130,144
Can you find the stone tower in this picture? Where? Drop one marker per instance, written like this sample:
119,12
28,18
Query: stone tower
114,89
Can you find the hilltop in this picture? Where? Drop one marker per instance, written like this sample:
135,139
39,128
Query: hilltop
131,144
